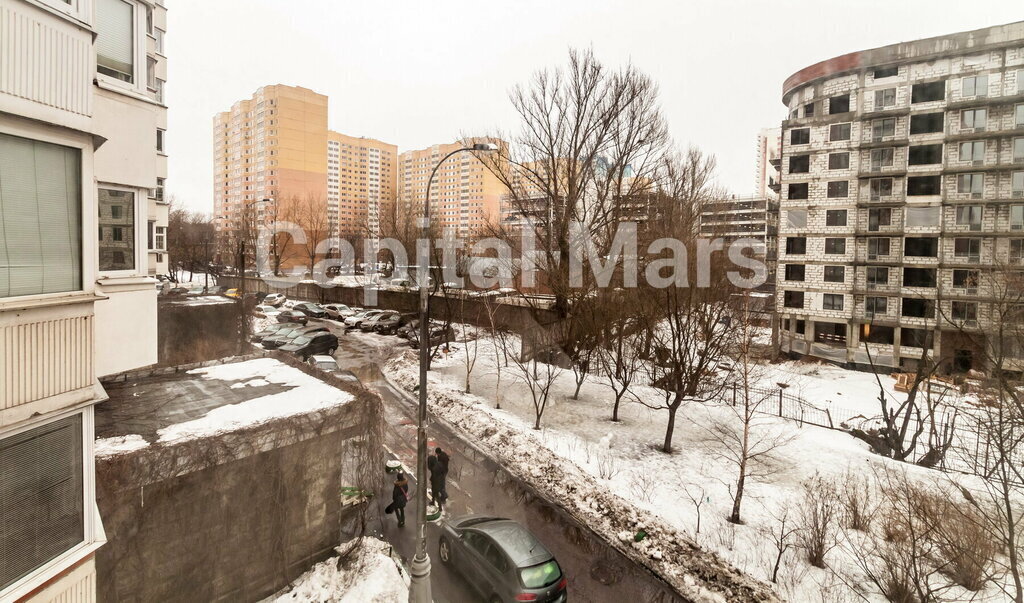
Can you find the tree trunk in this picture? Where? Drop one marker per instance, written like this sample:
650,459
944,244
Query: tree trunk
669,430
615,409
744,450
579,384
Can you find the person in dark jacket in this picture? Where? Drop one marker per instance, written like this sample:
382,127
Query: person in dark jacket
437,463
399,497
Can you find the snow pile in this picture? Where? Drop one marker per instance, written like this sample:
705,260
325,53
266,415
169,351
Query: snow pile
368,575
308,394
114,446
693,571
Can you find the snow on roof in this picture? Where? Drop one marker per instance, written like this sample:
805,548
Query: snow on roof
306,394
370,574
120,445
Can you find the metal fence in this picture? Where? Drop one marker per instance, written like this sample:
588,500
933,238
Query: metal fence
971,451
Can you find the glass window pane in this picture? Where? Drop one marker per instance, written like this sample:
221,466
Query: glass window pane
114,40
117,229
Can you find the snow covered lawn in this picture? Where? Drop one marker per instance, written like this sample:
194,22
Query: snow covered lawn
696,480
369,575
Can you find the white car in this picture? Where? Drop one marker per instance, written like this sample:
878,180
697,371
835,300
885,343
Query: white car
274,299
356,320
265,311
324,362
338,310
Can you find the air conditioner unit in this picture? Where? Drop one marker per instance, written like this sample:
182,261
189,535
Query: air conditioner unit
971,291
872,256
967,130
975,226
979,162
976,195
1016,226
979,129
1018,194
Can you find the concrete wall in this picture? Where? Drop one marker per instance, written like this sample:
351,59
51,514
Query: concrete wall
210,521
193,333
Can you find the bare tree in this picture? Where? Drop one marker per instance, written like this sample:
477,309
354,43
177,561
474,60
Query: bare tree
781,533
470,342
536,370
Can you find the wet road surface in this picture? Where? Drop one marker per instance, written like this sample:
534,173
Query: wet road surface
596,572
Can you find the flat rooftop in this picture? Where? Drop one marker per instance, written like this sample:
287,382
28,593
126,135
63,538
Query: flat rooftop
202,402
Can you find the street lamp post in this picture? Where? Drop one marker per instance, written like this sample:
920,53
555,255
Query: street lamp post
420,566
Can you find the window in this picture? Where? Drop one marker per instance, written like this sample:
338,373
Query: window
116,234
831,301
1016,250
828,332
796,245
975,85
1018,149
878,275
976,119
932,91
839,104
158,192
41,214
876,305
923,185
795,272
839,132
919,277
159,35
796,218
835,217
799,164
838,161
881,158
161,238
798,190
151,73
1018,115
974,184
160,140
835,274
880,187
973,151
835,246
885,98
1017,217
1020,81
969,215
115,40
878,217
962,310
923,247
922,216
880,128
925,154
809,110
793,299
878,247
968,250
838,189
918,308
881,72
800,136
966,279
43,494
927,123
916,338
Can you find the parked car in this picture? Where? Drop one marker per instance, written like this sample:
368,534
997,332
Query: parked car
265,311
271,330
438,335
274,299
338,310
370,324
324,363
310,310
356,320
286,336
292,316
233,294
387,323
502,560
311,344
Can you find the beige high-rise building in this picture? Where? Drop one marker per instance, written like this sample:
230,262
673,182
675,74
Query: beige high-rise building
362,180
269,150
465,194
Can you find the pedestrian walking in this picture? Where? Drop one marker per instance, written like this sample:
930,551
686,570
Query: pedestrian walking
437,463
399,498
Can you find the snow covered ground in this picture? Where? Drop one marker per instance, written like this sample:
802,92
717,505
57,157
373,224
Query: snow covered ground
623,457
369,575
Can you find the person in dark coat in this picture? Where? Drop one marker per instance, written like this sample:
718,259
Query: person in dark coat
437,463
399,498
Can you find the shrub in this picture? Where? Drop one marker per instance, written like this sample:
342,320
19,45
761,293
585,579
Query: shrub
818,514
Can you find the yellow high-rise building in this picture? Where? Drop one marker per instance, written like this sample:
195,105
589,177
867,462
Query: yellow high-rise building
362,180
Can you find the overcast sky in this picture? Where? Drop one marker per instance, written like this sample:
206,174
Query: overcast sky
424,72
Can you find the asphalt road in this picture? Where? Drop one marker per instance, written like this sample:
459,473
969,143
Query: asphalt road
596,572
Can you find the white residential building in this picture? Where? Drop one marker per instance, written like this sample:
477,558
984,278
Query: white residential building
82,226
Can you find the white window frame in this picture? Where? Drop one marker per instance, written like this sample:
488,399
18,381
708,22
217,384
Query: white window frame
965,184
76,9
964,214
141,243
138,83
159,238
974,118
88,204
973,146
92,530
984,81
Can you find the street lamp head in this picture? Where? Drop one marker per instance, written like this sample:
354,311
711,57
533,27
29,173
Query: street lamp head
484,146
